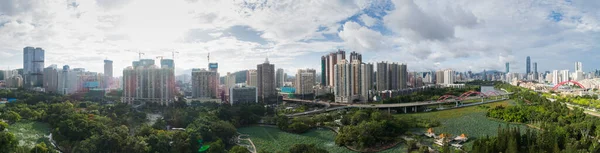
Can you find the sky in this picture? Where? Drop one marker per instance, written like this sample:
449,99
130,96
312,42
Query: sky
239,34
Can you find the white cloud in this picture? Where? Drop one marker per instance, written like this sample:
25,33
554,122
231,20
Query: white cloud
294,34
369,21
362,38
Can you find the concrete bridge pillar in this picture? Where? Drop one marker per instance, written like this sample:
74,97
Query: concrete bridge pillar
389,110
405,110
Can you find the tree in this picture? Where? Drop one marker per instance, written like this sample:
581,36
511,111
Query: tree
217,147
8,142
11,116
238,149
306,148
3,126
160,124
41,148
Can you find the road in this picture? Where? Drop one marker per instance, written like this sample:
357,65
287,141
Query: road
413,104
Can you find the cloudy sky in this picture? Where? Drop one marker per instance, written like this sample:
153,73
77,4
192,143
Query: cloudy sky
425,34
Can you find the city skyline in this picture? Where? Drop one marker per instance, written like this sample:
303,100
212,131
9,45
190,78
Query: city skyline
459,35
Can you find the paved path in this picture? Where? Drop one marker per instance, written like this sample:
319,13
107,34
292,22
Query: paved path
253,150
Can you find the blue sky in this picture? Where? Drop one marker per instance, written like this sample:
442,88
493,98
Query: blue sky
426,34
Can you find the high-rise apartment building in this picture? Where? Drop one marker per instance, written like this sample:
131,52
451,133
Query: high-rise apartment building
328,63
266,82
393,75
167,63
528,65
145,82
564,75
439,77
204,84
348,82
108,73
33,67
507,65
279,78
578,67
50,80
229,81
355,56
367,81
305,81
535,67
251,77
68,81
555,77
382,75
14,81
449,76
403,76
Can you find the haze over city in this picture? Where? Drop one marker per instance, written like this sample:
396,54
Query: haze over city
428,35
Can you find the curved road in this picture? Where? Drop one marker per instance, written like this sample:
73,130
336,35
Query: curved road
413,104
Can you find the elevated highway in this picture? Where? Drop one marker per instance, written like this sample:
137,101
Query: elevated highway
408,106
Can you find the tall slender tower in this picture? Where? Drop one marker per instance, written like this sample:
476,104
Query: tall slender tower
528,65
33,66
108,73
266,82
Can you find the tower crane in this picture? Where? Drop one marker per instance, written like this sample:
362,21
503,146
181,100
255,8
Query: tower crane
140,53
173,53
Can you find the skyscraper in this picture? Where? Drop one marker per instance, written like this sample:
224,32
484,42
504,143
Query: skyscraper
535,72
204,84
355,56
348,82
528,65
403,76
50,76
507,67
33,67
145,82
555,77
305,80
108,73
535,67
68,81
393,75
578,67
324,71
266,82
382,76
439,77
166,63
449,77
251,78
328,63
367,81
229,81
279,78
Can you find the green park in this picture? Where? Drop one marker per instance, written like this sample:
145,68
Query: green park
525,122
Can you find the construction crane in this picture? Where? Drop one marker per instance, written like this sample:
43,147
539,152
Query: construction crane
140,53
173,52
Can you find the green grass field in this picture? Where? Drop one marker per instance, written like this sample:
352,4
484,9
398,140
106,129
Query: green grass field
274,140
29,133
469,120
